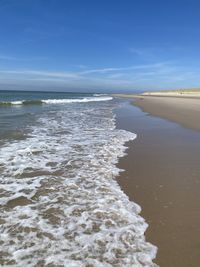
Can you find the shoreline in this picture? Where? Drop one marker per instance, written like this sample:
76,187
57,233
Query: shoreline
184,110
162,176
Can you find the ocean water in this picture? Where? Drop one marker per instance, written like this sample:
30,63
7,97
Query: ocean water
60,203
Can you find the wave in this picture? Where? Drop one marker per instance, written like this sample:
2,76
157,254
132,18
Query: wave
22,102
76,100
61,204
100,94
56,101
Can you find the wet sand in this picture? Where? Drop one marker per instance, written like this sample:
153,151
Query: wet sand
184,110
163,176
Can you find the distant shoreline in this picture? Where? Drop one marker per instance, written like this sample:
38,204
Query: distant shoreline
183,109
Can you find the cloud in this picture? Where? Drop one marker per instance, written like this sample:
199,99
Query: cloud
102,70
151,53
116,69
139,52
13,58
156,75
35,73
89,74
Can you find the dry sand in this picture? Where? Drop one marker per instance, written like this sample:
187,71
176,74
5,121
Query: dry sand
182,94
184,110
163,175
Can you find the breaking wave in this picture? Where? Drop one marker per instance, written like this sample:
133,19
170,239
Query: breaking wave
60,204
56,101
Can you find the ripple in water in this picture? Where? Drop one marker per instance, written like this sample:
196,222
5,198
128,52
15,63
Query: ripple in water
60,203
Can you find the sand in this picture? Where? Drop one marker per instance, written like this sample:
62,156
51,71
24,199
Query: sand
184,110
182,94
163,175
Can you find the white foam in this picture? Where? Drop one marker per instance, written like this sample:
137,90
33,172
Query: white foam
15,102
77,215
82,100
95,98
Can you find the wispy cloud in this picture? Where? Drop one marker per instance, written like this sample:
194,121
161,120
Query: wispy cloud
128,68
116,71
137,51
14,58
102,70
151,53
157,74
28,74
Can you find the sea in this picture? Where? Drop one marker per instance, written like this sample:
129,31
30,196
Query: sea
60,203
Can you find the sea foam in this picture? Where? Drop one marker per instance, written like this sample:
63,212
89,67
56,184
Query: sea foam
95,98
60,202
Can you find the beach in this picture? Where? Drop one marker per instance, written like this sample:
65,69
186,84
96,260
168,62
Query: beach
64,200
162,173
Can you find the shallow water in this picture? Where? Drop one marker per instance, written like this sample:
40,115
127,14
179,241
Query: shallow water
60,203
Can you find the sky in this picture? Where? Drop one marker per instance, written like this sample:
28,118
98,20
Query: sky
99,45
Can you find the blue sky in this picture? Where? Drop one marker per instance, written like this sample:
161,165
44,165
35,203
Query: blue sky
104,45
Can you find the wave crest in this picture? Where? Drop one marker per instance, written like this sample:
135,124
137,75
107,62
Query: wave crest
56,101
